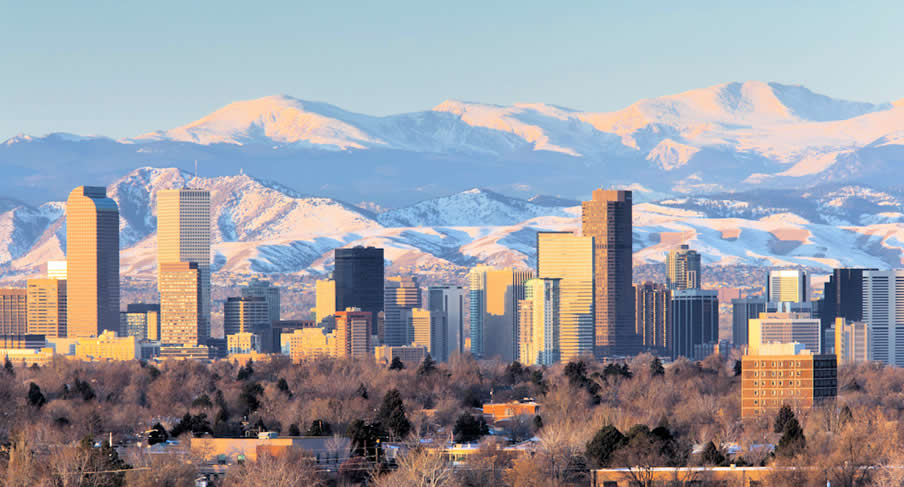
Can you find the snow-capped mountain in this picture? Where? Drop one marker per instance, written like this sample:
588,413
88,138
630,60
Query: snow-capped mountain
728,137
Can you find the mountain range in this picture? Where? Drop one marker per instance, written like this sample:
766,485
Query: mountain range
728,137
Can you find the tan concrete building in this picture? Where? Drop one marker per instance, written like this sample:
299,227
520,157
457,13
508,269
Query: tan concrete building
779,376
783,328
243,343
47,307
851,341
92,262
540,312
408,354
311,343
353,333
653,316
428,331
325,300
570,258
180,303
494,295
607,218
183,235
13,311
400,296
107,347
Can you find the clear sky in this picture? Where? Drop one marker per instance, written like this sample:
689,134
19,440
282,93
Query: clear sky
122,68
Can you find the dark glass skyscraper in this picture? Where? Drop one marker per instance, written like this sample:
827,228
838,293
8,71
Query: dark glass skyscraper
842,297
358,274
695,320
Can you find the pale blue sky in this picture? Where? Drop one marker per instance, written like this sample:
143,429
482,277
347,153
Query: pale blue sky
123,68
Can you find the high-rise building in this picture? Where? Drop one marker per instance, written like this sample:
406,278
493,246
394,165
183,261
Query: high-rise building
494,296
695,320
243,343
358,273
325,300
742,311
92,262
539,325
883,313
151,312
181,303
569,257
842,296
400,296
788,286
246,315
353,328
270,293
682,269
183,235
56,269
311,343
783,328
428,331
46,301
607,218
653,317
851,341
13,311
448,303
766,387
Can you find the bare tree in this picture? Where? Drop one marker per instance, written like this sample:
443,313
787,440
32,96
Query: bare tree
292,469
419,468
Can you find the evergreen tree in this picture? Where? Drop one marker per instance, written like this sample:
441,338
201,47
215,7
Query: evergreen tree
283,386
396,364
604,443
246,371
784,415
8,367
320,427
202,401
35,396
737,368
428,366
712,455
468,428
792,441
157,434
391,415
362,391
845,416
249,397
656,368
293,430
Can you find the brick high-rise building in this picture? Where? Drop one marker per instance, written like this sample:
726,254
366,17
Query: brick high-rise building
13,312
780,376
353,328
47,307
607,218
652,303
92,262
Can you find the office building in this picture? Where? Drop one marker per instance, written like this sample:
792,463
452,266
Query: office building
539,324
353,328
246,315
851,341
133,325
411,355
151,312
183,235
400,296
187,352
22,341
783,374
107,346
46,302
883,313
570,258
607,218
742,311
358,273
788,285
243,343
56,269
13,311
448,303
695,320
311,343
325,301
181,303
652,316
682,269
842,297
265,289
784,328
92,262
494,296
428,332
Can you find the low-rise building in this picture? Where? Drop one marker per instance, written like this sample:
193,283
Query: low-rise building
409,354
325,450
107,346
508,410
26,357
244,343
186,352
311,343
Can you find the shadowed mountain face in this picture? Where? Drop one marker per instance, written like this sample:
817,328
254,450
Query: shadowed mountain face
729,137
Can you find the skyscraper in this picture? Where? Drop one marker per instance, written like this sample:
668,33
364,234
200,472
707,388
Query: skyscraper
47,307
358,273
428,331
353,328
787,286
742,311
607,218
183,235
270,293
92,262
842,297
570,258
448,302
695,320
683,271
494,296
783,328
151,313
325,300
400,296
653,317
883,313
13,312
539,322
180,303
56,269
249,314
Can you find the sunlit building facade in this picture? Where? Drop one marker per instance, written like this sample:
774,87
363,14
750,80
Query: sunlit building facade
787,286
353,333
181,303
400,296
539,322
325,300
13,311
682,269
448,304
494,295
571,258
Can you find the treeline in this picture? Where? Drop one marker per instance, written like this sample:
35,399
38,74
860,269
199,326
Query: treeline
633,414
